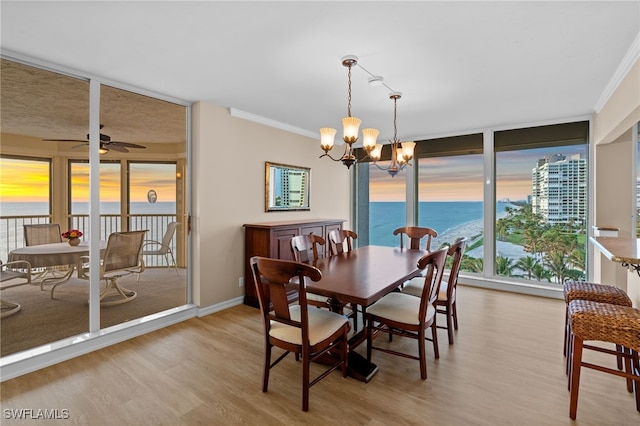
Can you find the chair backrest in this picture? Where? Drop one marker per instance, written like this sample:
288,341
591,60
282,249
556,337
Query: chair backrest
415,235
456,251
168,236
123,251
338,238
434,264
272,278
304,248
42,233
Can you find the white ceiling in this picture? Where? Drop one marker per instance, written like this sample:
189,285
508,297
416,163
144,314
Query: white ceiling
462,66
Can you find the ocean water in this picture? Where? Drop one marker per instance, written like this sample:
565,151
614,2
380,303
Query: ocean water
11,229
21,209
442,216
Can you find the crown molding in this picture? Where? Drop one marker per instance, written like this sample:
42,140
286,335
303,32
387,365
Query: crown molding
632,55
271,123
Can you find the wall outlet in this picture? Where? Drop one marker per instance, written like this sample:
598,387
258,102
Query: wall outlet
241,282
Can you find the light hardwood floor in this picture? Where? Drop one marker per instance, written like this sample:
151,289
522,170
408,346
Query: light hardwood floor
505,368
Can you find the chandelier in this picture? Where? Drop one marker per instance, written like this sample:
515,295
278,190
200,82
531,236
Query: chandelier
401,152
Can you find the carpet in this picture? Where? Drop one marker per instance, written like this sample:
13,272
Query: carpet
43,320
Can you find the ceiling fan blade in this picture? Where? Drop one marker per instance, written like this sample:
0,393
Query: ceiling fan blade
115,147
80,146
64,140
125,144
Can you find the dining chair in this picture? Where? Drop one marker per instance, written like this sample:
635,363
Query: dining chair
446,303
341,241
415,234
122,257
304,249
405,315
42,233
15,273
310,334
162,248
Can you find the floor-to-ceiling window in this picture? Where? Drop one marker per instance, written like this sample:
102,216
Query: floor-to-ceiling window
539,193
450,194
541,179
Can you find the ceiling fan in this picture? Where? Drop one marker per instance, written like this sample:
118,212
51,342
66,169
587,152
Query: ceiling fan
106,143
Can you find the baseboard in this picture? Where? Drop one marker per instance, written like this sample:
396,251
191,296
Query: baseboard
220,306
513,287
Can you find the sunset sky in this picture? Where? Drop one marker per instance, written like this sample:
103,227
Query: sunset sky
460,178
28,181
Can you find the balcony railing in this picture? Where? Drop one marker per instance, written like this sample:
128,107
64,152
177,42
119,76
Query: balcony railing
11,230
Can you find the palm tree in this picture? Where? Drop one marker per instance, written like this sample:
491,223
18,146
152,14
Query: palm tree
556,262
471,264
527,264
540,273
504,266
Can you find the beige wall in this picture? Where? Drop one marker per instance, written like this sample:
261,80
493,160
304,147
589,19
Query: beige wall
228,174
614,181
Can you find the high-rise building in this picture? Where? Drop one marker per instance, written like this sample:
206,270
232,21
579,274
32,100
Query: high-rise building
559,189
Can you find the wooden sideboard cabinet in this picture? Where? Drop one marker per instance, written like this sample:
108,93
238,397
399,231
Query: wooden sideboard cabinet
273,239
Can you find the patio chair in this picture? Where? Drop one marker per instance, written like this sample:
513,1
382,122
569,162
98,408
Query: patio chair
17,273
162,248
42,233
122,257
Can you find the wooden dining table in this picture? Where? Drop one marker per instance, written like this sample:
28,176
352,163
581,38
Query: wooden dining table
362,277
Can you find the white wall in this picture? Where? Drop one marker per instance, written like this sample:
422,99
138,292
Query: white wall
229,156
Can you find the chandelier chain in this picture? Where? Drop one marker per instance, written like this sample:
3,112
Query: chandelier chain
349,93
395,119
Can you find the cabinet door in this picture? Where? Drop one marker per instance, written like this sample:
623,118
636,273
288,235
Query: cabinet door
281,248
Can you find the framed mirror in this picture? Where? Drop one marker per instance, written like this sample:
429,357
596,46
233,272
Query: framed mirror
286,187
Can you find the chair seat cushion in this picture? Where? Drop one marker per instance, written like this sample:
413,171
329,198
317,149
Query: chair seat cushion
400,307
594,292
414,287
605,322
322,324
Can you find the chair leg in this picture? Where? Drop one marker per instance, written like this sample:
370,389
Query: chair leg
345,353
449,313
422,354
434,332
635,366
628,364
369,338
574,381
454,312
305,379
267,367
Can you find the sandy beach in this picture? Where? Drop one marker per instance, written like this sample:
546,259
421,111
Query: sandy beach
473,231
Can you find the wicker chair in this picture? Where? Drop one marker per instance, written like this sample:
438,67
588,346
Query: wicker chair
580,290
603,322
